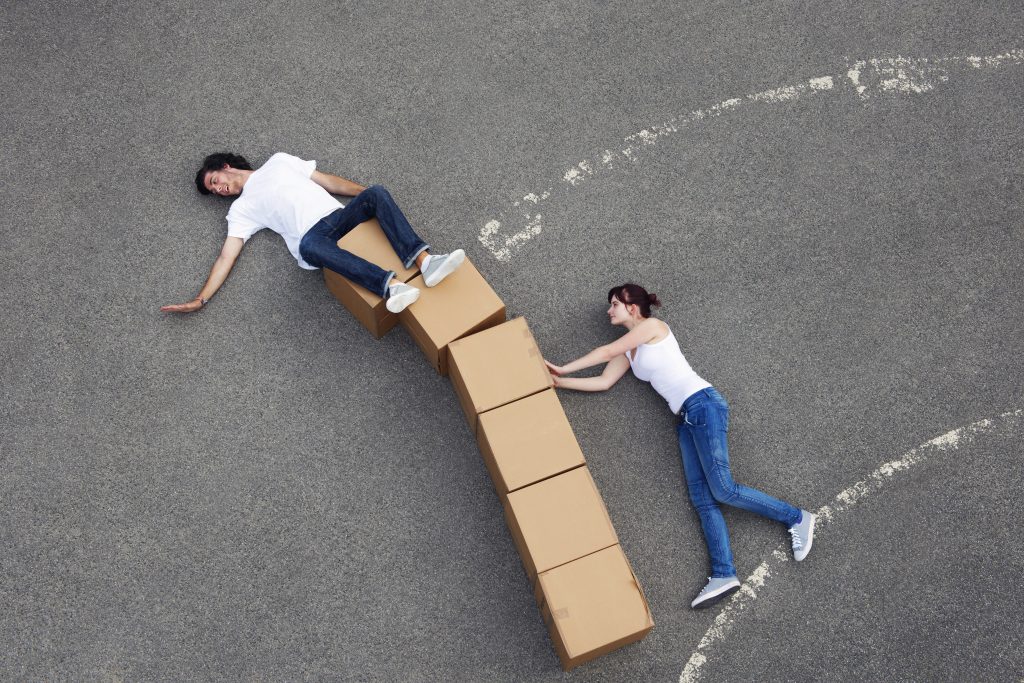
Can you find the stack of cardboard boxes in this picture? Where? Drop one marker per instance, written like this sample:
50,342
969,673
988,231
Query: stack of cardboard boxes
582,582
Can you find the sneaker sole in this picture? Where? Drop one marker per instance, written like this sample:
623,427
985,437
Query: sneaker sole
810,540
453,261
716,597
400,302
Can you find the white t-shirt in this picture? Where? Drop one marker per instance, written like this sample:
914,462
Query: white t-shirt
666,368
280,195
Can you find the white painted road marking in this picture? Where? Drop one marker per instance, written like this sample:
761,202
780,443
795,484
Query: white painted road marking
845,500
524,220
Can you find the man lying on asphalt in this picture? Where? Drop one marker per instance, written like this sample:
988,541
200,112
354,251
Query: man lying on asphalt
292,198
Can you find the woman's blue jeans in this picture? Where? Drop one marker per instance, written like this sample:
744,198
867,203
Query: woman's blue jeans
319,247
703,426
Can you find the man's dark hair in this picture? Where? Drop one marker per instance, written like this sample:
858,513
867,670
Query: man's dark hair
215,162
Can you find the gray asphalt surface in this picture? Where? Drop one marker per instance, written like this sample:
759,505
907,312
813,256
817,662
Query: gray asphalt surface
262,491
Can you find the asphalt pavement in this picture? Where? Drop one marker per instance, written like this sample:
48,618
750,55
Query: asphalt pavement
262,491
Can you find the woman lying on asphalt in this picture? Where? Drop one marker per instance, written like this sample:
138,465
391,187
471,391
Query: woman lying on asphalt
651,350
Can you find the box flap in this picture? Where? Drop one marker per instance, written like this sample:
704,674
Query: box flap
595,605
460,305
500,365
559,520
527,441
454,307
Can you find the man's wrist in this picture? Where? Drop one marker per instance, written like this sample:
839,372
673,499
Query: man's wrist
201,300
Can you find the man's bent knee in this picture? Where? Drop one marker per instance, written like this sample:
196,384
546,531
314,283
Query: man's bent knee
311,246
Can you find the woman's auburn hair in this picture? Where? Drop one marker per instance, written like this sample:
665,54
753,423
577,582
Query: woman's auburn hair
635,294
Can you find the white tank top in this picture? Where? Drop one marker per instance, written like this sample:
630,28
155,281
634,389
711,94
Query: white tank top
664,366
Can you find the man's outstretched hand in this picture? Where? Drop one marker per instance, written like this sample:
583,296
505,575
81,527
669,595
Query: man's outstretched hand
221,267
191,306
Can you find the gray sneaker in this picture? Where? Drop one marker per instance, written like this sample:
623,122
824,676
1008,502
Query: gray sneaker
803,536
441,266
400,296
716,589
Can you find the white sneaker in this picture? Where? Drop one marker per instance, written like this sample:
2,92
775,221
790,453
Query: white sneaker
716,589
803,536
400,296
441,266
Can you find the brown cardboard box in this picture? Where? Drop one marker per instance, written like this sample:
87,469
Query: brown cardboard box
526,441
495,367
592,606
558,520
368,241
460,305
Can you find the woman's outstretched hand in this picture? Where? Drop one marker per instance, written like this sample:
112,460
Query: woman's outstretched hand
556,373
613,370
193,305
555,370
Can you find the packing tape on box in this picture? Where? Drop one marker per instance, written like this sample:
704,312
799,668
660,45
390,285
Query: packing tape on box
534,351
550,615
534,348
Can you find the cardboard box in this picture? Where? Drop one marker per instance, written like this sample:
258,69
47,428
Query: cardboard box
495,367
558,520
460,305
368,241
592,606
527,441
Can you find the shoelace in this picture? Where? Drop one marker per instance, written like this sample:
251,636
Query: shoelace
797,543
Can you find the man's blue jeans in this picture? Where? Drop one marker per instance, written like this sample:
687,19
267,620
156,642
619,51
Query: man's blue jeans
703,426
319,246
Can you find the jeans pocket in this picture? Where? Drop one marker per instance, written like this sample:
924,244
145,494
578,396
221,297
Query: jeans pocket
696,416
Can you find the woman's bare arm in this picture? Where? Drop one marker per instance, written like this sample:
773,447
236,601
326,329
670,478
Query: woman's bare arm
641,334
611,374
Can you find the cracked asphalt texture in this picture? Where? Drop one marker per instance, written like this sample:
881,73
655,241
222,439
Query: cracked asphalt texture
261,491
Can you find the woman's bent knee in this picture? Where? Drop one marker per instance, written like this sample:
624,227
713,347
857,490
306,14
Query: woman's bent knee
724,491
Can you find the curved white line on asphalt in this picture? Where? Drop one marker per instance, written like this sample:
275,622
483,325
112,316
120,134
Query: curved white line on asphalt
845,500
524,220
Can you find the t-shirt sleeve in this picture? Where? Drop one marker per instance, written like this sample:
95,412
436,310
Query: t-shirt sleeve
240,225
302,166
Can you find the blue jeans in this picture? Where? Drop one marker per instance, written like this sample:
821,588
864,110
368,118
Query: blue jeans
702,429
319,246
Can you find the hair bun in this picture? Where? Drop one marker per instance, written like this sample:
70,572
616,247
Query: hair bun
631,294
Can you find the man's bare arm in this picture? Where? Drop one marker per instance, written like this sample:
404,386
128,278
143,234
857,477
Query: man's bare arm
218,274
336,184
